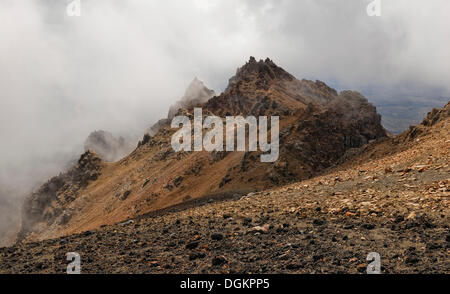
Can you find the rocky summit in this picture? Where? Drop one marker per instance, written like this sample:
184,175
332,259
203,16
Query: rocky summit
108,147
340,189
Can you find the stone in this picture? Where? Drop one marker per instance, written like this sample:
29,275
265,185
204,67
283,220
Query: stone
220,260
261,229
125,195
192,245
217,237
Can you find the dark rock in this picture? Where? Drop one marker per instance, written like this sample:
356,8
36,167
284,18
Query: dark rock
411,249
145,182
220,260
318,222
178,181
125,195
433,246
368,226
246,221
195,256
192,245
317,257
87,233
294,266
225,181
217,237
399,219
361,268
108,147
412,260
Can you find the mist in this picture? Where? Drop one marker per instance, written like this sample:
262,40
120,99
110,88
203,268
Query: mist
121,64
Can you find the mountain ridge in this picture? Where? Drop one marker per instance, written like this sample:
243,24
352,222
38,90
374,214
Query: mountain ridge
393,199
318,125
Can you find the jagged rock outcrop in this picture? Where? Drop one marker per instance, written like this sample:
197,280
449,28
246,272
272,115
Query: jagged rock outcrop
318,124
108,147
258,88
157,126
196,94
48,204
433,117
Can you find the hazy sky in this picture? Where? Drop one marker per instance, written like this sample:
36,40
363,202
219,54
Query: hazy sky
121,63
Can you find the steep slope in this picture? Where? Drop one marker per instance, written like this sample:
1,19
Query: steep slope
318,125
396,204
51,204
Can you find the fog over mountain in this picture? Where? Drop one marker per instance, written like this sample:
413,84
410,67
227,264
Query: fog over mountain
121,64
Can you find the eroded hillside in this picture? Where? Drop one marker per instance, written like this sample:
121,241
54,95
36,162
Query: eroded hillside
317,127
392,197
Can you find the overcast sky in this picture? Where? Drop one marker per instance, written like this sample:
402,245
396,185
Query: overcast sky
121,63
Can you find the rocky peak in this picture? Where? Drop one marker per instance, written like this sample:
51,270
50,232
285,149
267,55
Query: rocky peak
50,203
433,117
262,70
196,90
108,147
196,94
88,161
437,115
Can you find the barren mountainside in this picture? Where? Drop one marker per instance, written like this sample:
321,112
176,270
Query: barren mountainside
390,197
318,126
221,145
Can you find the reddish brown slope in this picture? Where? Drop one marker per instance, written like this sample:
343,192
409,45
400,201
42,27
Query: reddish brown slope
396,204
317,127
